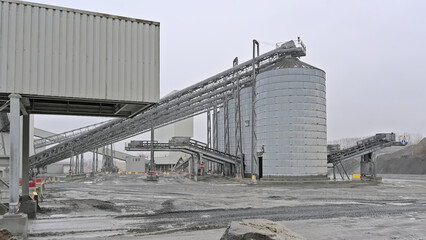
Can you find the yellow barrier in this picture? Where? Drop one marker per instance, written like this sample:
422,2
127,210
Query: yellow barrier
34,193
356,176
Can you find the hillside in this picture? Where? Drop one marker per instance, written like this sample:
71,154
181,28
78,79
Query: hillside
394,160
409,160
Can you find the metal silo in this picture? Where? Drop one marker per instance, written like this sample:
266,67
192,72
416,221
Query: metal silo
291,120
245,108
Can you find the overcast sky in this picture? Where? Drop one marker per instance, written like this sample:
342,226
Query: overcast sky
372,51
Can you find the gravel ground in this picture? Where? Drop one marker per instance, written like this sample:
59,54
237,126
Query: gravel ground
129,207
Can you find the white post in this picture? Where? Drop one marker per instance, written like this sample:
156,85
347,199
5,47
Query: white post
15,152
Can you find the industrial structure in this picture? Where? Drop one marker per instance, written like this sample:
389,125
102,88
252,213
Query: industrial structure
65,61
266,117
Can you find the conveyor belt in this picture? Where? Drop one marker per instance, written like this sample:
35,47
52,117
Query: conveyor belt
186,103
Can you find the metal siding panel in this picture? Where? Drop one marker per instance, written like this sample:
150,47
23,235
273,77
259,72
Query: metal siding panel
134,62
70,53
76,56
105,59
3,53
146,56
41,51
152,66
34,50
26,61
62,80
56,19
128,64
89,55
83,58
96,58
115,58
140,80
156,89
118,82
11,47
49,54
19,47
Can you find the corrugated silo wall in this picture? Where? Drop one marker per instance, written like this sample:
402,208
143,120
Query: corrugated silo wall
291,122
245,108
245,97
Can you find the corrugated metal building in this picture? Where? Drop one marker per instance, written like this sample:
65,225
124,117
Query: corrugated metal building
75,62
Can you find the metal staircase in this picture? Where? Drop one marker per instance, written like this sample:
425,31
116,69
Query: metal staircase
196,99
186,145
363,148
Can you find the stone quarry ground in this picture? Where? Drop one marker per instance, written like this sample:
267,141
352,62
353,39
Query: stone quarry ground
129,207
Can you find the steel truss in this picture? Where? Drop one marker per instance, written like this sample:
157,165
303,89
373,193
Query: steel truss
186,103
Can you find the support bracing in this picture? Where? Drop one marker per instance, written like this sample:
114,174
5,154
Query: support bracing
226,126
253,112
188,102
237,120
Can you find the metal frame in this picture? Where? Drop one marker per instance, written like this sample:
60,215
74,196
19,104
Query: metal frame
253,112
186,103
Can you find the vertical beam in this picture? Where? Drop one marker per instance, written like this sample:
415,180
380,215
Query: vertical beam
238,138
253,114
93,161
226,126
2,142
209,130
72,161
215,129
15,153
97,157
77,164
25,155
201,162
82,163
151,162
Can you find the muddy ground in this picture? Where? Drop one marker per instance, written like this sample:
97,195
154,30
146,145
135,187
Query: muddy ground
129,207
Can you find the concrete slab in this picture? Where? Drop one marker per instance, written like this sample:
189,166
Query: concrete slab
17,224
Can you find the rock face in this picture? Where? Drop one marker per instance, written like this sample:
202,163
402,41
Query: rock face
409,160
259,229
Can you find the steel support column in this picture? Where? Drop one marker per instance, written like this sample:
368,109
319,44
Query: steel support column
93,161
209,130
25,155
151,162
215,129
238,138
15,153
226,126
72,161
82,163
253,113
77,164
97,157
